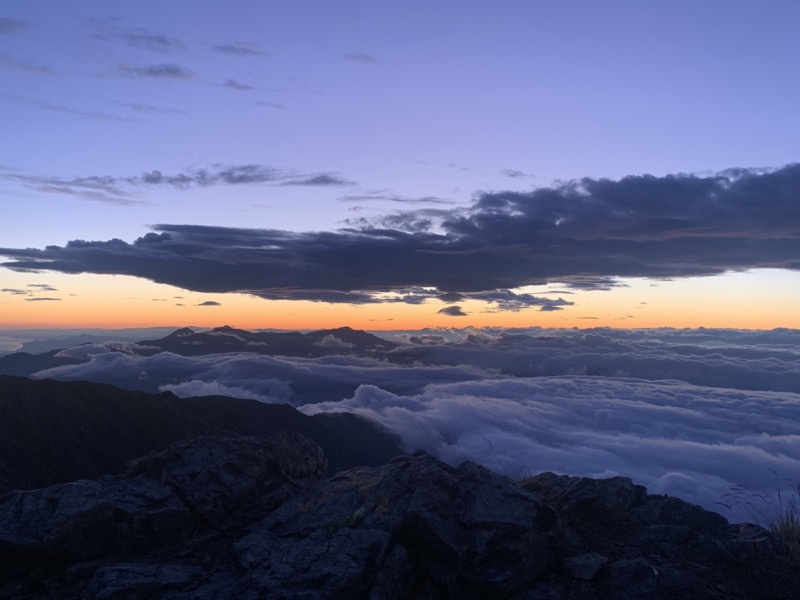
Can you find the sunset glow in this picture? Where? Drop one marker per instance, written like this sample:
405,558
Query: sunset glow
125,302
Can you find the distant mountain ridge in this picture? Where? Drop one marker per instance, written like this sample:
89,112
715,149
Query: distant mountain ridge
343,340
188,342
53,431
25,364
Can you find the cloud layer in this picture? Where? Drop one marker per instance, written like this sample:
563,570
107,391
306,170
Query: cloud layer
670,436
262,377
585,233
706,415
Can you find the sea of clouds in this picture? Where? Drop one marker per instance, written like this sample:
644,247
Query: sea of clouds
710,416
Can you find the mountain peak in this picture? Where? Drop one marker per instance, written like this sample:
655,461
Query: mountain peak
230,330
182,332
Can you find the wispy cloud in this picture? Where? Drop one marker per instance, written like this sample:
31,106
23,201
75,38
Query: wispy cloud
239,174
235,174
61,108
395,198
143,39
267,104
240,49
123,190
96,189
237,85
156,42
361,58
149,108
38,288
42,299
163,72
322,180
10,26
516,174
209,303
8,61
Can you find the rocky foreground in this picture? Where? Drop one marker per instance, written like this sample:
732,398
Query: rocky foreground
251,517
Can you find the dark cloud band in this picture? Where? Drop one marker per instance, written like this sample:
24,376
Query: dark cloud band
585,233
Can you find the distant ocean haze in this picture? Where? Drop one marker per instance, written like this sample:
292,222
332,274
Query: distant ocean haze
10,344
42,340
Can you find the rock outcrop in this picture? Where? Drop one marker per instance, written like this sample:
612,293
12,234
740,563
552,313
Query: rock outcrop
255,518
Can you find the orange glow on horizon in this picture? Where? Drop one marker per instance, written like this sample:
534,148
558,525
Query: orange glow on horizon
95,301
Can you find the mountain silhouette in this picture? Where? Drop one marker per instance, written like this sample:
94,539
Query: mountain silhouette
53,431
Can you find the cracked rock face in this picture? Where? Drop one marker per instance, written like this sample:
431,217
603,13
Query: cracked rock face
422,524
255,518
161,498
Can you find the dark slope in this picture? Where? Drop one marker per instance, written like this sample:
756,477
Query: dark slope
52,431
25,364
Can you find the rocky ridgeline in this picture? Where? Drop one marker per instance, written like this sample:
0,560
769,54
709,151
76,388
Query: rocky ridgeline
254,518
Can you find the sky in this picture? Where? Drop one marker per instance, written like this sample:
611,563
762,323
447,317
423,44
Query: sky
310,164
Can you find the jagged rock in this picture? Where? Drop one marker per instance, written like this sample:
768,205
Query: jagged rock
78,520
255,520
160,500
126,580
461,532
300,460
585,566
216,477
662,547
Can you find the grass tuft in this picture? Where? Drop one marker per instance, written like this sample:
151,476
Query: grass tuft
787,523
779,512
787,526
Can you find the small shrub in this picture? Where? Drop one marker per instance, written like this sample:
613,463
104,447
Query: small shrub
750,507
778,512
787,526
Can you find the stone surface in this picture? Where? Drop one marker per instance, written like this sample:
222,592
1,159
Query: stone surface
83,519
585,566
218,477
462,531
225,518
